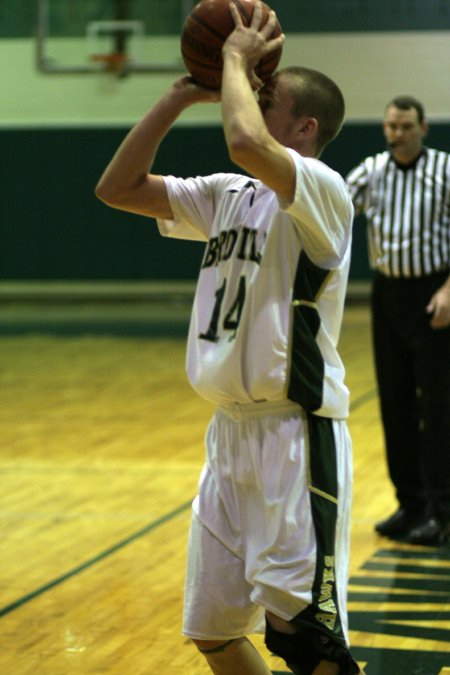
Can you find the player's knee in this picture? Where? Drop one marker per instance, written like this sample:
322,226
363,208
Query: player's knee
212,646
305,649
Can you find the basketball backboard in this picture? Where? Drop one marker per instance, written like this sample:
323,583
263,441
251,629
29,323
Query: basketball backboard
123,36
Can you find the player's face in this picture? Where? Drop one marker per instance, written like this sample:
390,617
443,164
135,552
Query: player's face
275,102
404,133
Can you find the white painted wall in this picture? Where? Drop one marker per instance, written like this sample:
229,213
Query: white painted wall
370,69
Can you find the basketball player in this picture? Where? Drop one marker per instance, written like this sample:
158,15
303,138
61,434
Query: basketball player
270,525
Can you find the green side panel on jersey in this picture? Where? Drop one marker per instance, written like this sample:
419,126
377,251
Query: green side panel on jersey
307,364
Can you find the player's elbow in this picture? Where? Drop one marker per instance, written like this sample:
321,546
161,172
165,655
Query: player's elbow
109,193
241,148
247,151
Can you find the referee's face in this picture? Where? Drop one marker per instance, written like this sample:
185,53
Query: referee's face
404,133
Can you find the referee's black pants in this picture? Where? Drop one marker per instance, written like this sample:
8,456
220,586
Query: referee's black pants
412,362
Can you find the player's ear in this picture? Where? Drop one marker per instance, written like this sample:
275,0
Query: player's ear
307,127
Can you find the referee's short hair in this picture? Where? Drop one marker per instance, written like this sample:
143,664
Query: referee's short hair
406,103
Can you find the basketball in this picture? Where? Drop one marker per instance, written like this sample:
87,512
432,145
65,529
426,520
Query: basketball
206,29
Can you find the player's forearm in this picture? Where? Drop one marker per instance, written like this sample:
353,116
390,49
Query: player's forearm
250,144
243,123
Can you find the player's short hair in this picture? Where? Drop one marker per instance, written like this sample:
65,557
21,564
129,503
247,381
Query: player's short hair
316,95
406,103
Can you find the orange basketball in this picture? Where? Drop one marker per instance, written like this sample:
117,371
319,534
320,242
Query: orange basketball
206,29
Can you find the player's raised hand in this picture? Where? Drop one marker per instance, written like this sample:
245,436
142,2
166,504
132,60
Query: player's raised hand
253,42
193,92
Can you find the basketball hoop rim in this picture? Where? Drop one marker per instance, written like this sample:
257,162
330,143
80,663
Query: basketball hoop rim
114,61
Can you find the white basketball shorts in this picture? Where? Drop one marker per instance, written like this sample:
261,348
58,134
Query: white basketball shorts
270,524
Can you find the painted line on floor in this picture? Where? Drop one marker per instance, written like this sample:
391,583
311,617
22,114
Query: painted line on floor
93,561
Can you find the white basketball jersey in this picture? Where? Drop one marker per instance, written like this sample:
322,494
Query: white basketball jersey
270,295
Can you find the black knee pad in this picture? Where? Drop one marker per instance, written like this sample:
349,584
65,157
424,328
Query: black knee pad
305,649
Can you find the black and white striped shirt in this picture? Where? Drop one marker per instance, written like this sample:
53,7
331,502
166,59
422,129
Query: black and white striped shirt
407,210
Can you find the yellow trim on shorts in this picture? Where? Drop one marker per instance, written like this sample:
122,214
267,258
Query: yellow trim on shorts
306,303
325,495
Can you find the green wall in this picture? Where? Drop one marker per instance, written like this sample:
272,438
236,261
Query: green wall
53,227
18,17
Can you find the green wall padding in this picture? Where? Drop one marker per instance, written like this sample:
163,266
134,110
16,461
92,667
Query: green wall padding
18,17
53,227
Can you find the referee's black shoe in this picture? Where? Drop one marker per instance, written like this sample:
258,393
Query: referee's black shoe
445,535
430,532
399,524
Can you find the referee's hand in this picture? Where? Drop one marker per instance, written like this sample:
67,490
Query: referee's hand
439,307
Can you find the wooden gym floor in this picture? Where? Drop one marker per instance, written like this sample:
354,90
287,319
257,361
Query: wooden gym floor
101,448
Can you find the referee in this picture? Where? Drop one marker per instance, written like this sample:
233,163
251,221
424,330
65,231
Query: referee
404,193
